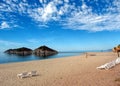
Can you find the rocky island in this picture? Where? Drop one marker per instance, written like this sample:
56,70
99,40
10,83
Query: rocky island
44,51
23,51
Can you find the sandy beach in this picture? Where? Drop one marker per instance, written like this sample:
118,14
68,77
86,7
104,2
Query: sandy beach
69,71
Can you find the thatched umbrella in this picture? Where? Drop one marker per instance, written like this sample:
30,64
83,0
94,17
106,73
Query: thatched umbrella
44,51
117,50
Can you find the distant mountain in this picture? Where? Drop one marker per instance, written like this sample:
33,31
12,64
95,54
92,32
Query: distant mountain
109,50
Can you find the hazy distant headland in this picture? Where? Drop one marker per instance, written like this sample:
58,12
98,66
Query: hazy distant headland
40,51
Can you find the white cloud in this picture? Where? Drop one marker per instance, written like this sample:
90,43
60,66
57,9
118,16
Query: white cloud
43,1
58,1
67,1
40,40
33,41
94,22
9,43
48,11
43,25
84,6
10,25
80,17
45,14
85,19
4,25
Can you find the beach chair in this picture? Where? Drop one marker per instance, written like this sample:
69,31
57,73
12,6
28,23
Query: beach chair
117,61
102,66
110,65
107,65
32,73
23,75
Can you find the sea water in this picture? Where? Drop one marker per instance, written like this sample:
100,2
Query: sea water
6,58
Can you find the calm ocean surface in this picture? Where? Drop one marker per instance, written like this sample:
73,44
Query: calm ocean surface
6,58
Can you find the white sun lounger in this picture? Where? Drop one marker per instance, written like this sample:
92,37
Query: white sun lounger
23,75
117,61
27,74
107,65
110,64
32,73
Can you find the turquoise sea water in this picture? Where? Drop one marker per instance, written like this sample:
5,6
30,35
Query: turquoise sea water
6,58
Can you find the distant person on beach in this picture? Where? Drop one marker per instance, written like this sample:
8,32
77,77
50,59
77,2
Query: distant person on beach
86,55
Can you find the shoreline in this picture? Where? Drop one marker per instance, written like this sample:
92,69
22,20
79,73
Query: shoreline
49,57
70,71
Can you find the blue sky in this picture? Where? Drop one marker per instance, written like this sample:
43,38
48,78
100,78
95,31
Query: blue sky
64,25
